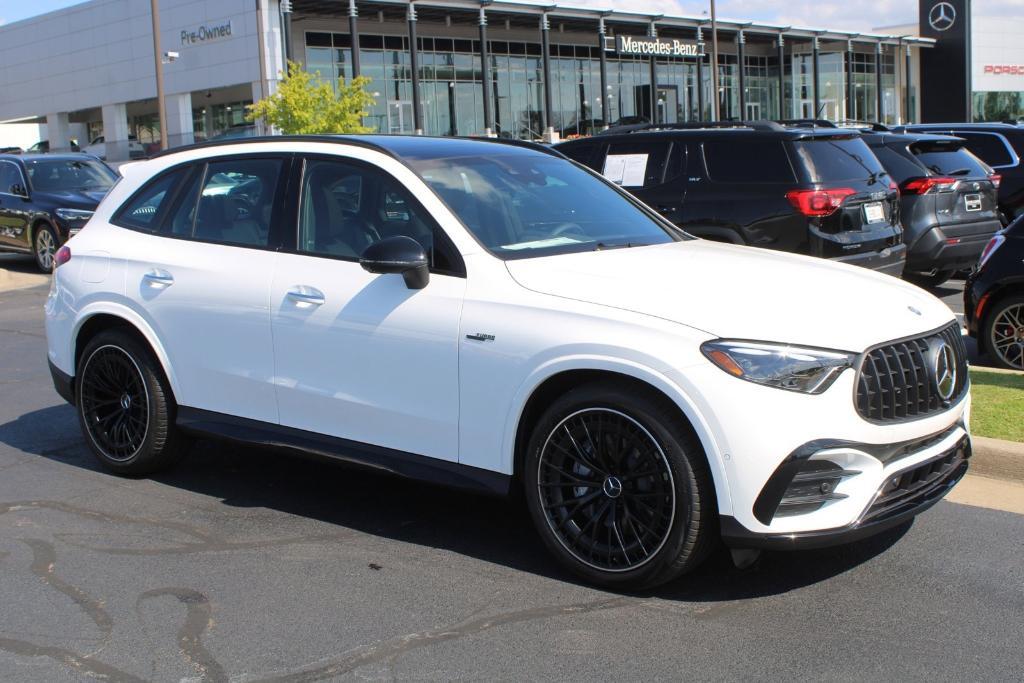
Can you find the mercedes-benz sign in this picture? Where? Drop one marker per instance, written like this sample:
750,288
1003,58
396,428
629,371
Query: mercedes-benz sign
942,16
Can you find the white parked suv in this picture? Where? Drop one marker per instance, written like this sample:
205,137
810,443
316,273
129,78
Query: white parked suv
493,316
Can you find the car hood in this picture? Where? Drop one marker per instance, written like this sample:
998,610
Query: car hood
742,292
72,199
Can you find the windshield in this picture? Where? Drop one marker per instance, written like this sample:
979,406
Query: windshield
837,159
523,205
49,175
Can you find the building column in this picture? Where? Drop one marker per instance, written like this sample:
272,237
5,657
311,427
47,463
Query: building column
485,73
115,131
700,74
545,48
286,30
741,40
179,120
908,110
353,32
782,76
850,115
603,61
815,77
652,31
58,132
414,64
878,82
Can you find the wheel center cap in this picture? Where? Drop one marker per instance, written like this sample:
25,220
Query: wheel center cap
612,487
126,401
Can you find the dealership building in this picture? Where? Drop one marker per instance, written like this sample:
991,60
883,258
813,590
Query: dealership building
453,67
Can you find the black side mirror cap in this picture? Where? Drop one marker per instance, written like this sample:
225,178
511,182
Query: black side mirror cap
400,254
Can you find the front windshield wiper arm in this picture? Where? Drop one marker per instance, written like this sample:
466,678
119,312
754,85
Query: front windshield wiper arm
601,246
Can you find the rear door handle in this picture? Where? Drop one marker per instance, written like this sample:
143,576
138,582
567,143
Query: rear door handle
158,278
305,294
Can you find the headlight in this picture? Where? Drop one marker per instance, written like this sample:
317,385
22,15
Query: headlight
71,215
794,368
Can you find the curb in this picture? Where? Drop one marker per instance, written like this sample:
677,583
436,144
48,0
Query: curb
997,458
997,371
11,280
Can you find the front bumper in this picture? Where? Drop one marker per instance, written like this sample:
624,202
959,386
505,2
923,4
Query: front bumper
909,485
890,260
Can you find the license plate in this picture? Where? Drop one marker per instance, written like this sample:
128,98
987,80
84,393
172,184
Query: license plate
873,212
972,202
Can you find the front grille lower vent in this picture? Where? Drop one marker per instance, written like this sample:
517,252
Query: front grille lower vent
897,380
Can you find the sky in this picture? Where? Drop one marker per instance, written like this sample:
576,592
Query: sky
857,15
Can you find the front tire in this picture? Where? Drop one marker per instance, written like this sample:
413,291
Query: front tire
618,488
125,406
1004,332
44,247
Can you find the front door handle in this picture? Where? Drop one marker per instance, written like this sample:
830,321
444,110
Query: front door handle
158,278
305,294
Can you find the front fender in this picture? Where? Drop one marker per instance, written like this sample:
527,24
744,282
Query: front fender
651,376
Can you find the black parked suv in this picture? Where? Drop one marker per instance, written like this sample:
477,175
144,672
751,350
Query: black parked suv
1000,145
994,298
809,191
47,198
948,202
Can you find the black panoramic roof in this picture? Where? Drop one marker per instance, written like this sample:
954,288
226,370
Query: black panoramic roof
399,146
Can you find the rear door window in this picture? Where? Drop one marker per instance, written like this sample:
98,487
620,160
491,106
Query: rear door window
826,160
748,161
636,164
989,147
146,206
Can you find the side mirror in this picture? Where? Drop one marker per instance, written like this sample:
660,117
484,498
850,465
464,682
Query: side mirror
18,190
400,254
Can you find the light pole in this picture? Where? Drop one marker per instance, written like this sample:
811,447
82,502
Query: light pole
715,113
158,62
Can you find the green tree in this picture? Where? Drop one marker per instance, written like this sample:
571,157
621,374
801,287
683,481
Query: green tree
305,104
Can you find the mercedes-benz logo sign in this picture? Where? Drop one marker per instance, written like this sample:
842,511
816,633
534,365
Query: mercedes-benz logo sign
942,16
943,369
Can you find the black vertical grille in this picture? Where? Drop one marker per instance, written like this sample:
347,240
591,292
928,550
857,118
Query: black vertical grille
896,380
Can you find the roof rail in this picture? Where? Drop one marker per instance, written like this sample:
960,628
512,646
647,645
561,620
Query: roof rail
763,125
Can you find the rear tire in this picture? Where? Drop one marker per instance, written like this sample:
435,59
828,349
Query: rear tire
929,280
125,406
619,488
1004,332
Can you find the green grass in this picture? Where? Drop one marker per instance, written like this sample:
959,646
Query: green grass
997,405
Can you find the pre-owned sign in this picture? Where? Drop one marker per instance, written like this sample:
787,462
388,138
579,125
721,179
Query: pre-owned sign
657,47
206,33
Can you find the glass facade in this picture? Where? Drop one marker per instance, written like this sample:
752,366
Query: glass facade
452,93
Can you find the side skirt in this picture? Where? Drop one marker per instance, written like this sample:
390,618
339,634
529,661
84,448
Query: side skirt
241,430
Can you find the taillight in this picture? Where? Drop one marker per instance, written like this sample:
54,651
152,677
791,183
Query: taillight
996,178
818,202
62,257
925,185
990,248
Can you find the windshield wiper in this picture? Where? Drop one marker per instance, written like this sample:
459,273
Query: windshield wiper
601,246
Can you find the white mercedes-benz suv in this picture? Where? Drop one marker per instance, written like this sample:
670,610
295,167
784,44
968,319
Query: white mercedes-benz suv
493,316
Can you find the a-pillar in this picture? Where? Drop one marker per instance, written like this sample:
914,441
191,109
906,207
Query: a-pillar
179,120
115,131
58,132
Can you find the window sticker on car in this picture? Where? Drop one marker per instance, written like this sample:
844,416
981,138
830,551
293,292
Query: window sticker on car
628,170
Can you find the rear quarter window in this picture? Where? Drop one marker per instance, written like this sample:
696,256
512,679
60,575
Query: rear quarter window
989,147
584,153
748,161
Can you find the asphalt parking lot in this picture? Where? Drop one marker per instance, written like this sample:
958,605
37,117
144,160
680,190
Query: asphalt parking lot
248,566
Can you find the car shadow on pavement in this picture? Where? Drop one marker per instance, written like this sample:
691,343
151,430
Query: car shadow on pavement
491,529
19,263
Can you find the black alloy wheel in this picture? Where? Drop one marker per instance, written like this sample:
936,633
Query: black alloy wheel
1005,333
618,487
114,402
125,405
607,489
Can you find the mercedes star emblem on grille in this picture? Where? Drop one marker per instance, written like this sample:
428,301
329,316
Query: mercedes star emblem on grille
943,369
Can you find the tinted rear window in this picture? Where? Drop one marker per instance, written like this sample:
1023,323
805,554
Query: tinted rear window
899,166
955,162
988,147
830,159
747,161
